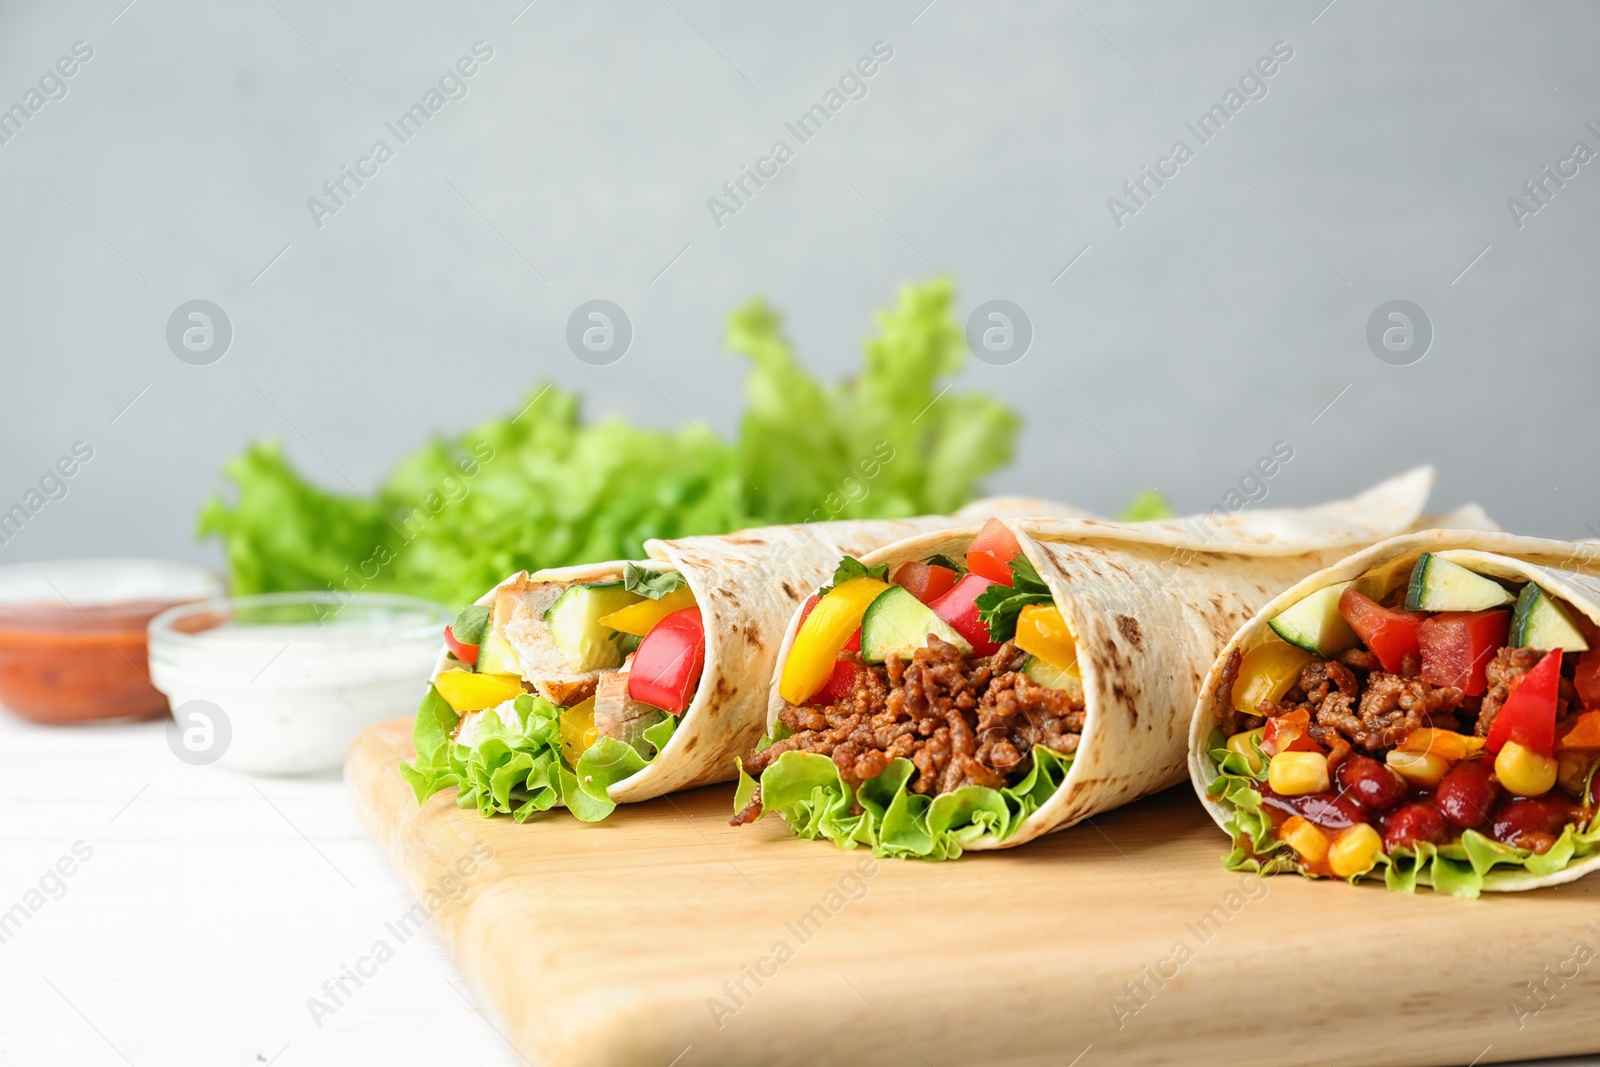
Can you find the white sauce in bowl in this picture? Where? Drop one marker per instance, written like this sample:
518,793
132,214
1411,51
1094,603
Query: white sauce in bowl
294,676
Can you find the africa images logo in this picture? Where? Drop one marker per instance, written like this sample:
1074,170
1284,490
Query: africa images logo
1252,85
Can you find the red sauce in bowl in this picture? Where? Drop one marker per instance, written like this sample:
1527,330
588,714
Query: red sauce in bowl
73,649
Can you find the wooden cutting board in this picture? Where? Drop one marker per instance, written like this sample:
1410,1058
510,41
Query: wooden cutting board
665,937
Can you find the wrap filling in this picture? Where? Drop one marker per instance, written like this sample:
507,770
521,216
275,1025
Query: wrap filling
554,691
1425,719
930,706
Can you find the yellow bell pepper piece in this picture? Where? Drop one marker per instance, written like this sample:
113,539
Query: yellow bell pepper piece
1448,744
1042,632
465,691
1267,672
636,619
578,731
823,635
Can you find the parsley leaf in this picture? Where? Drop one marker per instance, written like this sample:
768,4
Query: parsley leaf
651,584
999,605
471,623
945,561
849,568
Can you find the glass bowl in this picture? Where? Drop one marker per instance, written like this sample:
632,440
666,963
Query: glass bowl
72,635
281,683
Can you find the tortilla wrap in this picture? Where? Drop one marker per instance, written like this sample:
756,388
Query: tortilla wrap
746,584
1149,604
1568,570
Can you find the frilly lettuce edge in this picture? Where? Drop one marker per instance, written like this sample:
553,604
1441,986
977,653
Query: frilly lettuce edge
1462,869
518,769
806,790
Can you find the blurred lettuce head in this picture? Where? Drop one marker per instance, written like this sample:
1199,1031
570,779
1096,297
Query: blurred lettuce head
544,488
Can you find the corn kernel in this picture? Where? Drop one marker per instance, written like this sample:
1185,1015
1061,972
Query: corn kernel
1242,744
1355,850
1523,771
1418,768
1304,837
1294,774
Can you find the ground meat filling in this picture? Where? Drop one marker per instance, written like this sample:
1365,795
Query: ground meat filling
959,721
1353,702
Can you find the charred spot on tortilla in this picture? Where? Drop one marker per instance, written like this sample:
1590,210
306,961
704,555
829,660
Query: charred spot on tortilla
689,745
1129,626
1127,697
788,590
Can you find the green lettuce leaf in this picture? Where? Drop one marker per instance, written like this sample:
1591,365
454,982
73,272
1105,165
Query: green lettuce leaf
1148,505
651,584
999,605
517,768
849,568
1462,869
807,792
542,487
470,623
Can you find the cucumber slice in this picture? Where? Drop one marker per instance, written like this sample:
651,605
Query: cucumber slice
496,656
1439,585
1052,677
897,624
574,621
1316,625
1543,622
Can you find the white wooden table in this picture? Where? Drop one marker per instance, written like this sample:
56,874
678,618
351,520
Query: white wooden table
210,911
211,908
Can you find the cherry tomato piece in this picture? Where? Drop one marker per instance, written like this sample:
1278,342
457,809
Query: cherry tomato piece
925,581
992,551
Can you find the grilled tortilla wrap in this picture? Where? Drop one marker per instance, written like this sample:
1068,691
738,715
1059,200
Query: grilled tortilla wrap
1420,678
1129,618
554,711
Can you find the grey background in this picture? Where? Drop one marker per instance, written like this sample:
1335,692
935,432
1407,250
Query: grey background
1226,315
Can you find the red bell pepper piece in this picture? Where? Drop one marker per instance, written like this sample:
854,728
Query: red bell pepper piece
852,645
667,666
925,581
1457,646
462,651
959,608
991,553
1528,716
1587,679
840,684
1388,633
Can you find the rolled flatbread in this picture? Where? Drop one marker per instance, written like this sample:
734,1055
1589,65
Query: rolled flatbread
1426,711
557,710
935,744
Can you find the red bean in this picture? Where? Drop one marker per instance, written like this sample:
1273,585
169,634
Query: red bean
1328,810
1371,784
1405,826
1533,822
1467,794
